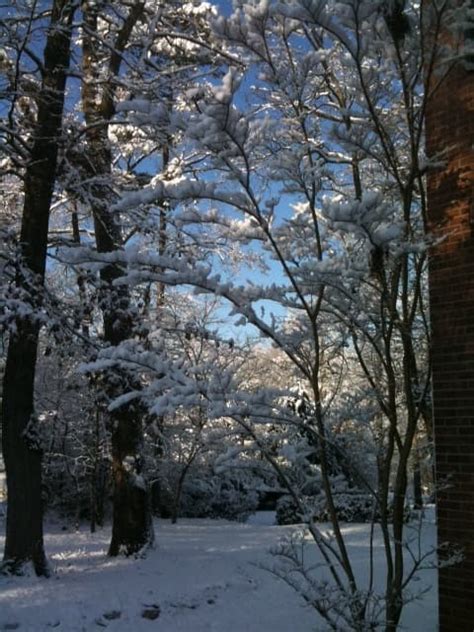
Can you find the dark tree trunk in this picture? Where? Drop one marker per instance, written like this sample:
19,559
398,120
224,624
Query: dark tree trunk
417,488
21,445
179,490
24,532
132,527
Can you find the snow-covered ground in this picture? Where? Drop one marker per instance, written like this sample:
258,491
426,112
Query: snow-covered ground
203,576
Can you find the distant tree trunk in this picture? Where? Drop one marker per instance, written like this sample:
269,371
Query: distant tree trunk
86,309
179,489
21,445
94,475
163,238
417,489
417,478
132,525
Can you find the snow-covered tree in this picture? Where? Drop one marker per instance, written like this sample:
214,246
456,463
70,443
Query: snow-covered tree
134,60
35,89
315,163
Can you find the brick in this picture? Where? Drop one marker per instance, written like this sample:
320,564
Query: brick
450,124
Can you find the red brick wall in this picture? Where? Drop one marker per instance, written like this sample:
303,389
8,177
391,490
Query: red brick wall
450,128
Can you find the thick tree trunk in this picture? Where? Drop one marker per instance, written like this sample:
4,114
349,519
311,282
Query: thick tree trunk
132,527
21,445
24,532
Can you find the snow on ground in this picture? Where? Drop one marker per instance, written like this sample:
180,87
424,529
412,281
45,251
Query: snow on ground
203,576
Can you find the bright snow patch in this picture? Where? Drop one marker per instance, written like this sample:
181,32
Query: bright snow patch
203,575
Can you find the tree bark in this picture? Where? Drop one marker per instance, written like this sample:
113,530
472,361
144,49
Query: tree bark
132,528
21,444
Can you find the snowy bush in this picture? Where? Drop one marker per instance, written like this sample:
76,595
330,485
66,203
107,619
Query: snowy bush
219,496
353,505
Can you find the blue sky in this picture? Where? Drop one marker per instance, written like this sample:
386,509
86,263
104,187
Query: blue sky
225,6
